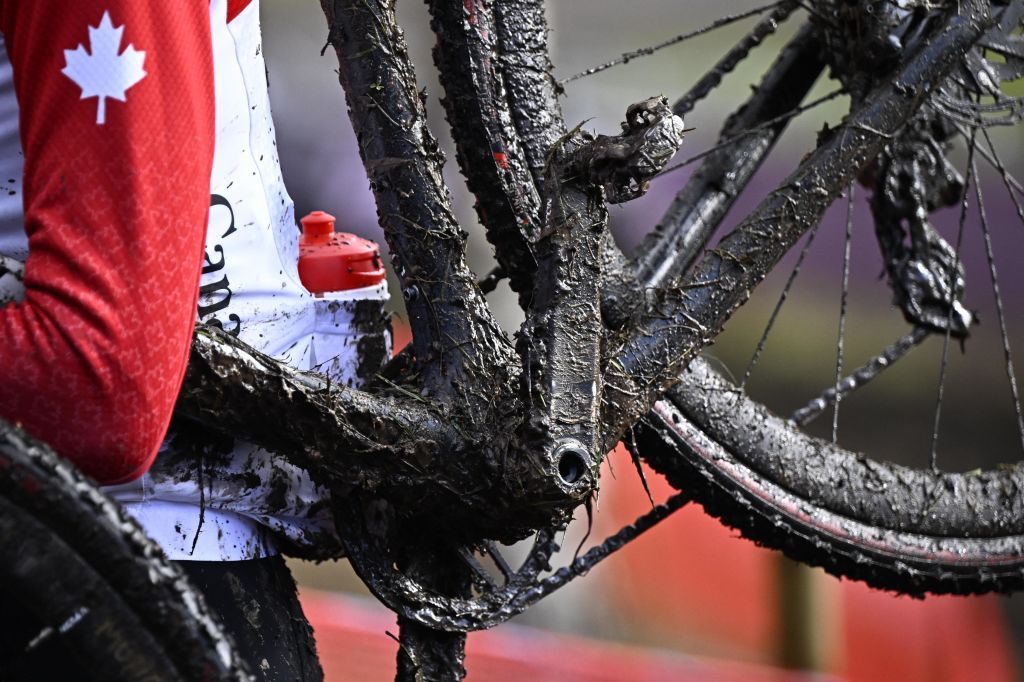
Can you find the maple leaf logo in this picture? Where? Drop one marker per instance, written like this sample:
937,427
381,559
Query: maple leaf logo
104,73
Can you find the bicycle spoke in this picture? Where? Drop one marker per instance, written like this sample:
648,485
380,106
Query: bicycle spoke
825,19
707,196
995,162
862,376
956,265
1010,375
646,51
738,53
750,131
778,306
973,117
1008,180
842,313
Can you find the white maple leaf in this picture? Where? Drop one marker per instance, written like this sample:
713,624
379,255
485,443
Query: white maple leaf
104,73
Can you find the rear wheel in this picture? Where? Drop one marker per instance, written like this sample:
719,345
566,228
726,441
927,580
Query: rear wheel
910,529
897,528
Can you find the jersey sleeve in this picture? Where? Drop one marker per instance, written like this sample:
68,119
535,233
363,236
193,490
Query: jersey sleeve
117,126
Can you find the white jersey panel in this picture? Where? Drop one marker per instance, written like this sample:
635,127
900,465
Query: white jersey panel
250,284
250,287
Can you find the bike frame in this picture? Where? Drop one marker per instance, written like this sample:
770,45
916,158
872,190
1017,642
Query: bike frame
483,438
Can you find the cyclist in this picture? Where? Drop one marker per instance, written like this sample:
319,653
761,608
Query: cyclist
117,106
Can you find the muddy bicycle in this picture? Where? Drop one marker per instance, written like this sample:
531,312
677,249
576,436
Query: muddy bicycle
467,440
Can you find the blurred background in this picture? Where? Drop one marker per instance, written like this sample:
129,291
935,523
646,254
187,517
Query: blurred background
692,600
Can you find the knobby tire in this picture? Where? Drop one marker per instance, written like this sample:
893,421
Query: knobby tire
83,568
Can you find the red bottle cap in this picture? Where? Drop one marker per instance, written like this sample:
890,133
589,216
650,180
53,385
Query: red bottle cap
336,261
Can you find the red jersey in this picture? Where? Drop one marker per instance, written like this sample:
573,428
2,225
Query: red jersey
116,104
249,286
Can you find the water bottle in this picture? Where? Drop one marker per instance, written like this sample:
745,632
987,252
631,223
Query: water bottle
351,337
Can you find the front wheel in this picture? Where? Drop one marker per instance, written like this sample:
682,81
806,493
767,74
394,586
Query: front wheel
82,588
